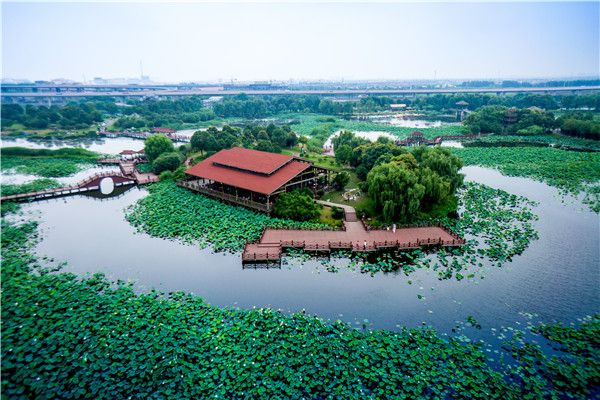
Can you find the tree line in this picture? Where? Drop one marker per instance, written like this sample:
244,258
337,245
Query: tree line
74,115
525,121
270,138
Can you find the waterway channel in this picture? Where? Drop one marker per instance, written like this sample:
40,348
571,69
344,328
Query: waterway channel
556,278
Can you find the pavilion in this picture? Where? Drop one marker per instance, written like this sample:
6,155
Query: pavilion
252,178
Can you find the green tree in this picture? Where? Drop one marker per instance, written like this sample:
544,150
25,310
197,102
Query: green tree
396,191
200,141
297,205
341,179
156,145
166,162
343,154
441,161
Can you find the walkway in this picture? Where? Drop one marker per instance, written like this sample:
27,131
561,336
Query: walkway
354,236
129,175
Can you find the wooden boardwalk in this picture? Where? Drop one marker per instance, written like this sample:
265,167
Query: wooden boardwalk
354,236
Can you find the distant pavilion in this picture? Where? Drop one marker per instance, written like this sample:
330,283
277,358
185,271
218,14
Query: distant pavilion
252,178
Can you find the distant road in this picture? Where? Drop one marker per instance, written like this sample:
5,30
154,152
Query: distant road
138,91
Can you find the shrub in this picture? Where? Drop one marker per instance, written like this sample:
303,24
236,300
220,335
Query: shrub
156,145
166,161
297,205
166,175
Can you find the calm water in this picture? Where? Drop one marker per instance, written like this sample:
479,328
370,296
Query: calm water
557,277
99,145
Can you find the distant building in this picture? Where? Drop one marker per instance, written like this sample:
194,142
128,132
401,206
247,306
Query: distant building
399,106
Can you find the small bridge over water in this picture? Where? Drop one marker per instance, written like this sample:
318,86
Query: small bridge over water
128,175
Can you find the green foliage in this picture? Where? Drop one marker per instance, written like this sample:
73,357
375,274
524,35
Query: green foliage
33,186
64,337
573,172
74,115
340,180
156,145
574,126
46,163
166,175
172,212
166,162
396,191
297,205
402,185
150,113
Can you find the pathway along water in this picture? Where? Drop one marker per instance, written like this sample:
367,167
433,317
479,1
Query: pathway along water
557,276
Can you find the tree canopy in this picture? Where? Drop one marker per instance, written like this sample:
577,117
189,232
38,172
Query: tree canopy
297,205
155,145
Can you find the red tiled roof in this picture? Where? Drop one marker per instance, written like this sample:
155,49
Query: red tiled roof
257,171
261,162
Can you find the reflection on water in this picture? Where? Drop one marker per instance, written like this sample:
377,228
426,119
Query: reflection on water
557,276
370,135
98,145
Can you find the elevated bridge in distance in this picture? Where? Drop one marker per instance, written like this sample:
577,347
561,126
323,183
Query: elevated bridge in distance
16,92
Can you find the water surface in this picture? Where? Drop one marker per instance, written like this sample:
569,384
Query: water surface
557,276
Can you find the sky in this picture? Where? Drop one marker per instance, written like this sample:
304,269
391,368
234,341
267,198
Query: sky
303,41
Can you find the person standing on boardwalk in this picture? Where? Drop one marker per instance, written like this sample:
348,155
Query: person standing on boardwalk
394,228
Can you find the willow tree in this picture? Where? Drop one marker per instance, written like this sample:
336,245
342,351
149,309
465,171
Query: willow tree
395,190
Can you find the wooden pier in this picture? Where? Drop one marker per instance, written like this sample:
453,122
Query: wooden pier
354,236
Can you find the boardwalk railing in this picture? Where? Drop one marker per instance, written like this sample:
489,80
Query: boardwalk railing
194,185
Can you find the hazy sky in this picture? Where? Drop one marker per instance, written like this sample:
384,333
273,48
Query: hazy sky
260,41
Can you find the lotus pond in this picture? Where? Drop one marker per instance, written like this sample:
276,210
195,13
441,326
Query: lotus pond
574,173
69,338
548,252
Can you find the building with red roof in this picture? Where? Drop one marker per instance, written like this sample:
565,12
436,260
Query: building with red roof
252,178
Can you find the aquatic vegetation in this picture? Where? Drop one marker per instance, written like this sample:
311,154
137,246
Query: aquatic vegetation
573,172
172,212
497,225
46,163
538,140
33,186
66,337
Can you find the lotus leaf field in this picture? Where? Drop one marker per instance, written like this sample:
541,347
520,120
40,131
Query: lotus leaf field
68,337
46,163
33,186
572,172
172,212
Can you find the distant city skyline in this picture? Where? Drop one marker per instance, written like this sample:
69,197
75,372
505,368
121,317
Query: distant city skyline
208,42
